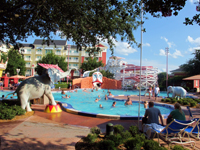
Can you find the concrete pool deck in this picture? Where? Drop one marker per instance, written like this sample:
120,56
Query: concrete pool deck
59,131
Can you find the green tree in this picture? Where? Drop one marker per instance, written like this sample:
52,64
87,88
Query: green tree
192,66
4,56
51,58
105,73
91,64
162,80
15,61
80,20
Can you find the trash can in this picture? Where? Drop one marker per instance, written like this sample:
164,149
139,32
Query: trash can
109,129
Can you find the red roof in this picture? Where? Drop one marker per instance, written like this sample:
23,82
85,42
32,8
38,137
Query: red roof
47,66
100,45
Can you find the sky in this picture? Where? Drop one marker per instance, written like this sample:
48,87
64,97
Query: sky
160,33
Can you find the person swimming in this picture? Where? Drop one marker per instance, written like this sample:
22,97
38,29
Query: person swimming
114,103
100,106
63,92
128,101
106,97
65,96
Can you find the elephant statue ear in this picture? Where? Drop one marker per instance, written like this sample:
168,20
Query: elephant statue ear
54,75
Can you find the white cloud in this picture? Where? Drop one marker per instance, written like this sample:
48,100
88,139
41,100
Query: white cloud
170,44
162,52
191,49
122,48
191,1
146,44
176,54
194,41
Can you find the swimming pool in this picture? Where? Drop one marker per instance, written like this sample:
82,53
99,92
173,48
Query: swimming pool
85,102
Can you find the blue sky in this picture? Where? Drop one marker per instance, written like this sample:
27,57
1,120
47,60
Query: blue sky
161,33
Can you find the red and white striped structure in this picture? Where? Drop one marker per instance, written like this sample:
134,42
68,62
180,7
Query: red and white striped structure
130,73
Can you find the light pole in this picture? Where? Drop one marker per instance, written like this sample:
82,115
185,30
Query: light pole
167,51
18,70
140,63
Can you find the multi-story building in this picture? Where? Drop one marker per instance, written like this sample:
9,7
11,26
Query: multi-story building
34,52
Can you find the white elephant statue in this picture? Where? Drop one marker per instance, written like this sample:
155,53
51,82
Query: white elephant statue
36,87
176,91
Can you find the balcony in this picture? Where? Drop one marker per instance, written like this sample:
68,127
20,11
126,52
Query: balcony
27,59
39,53
37,59
57,53
28,65
72,60
72,54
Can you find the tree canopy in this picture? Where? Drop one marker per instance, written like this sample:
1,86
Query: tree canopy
15,61
51,58
192,66
91,64
86,22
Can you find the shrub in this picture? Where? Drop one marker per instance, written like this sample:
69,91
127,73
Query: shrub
163,100
125,135
167,100
18,110
117,139
178,147
180,101
91,138
95,130
133,130
106,145
150,145
173,100
135,142
118,128
193,103
62,85
7,113
197,100
185,102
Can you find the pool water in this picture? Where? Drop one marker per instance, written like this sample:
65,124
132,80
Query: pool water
85,102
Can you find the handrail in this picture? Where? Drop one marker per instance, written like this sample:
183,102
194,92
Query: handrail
76,86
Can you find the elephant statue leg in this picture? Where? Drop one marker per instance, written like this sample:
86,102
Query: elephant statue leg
51,99
28,107
23,99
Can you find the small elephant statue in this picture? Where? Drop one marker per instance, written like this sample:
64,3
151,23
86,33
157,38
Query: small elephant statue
176,91
36,87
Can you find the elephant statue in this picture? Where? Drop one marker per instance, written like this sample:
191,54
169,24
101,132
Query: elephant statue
36,87
176,91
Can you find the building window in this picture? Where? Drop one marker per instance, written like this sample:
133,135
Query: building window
28,64
39,51
29,51
28,58
48,51
38,58
196,82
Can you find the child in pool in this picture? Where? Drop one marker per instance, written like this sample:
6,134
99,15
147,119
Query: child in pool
100,106
145,104
114,103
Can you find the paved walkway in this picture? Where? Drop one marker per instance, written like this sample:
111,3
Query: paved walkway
57,131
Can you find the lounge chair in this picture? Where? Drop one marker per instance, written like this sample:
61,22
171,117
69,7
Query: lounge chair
190,113
173,132
193,131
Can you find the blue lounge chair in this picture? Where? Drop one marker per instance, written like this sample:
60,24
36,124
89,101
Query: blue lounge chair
193,131
173,132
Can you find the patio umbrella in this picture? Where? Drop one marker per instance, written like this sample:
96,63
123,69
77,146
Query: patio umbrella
18,77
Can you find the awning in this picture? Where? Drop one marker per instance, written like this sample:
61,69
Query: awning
47,66
196,77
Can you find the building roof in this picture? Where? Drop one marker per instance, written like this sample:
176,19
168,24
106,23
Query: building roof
196,77
27,45
55,42
177,70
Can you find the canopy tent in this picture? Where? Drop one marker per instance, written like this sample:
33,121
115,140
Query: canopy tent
17,76
47,66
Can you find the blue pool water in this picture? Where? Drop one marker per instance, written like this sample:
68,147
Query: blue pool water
85,102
